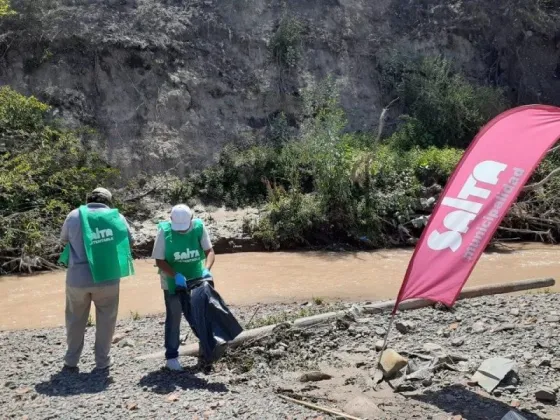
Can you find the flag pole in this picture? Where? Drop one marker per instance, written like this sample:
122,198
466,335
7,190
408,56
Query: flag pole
391,320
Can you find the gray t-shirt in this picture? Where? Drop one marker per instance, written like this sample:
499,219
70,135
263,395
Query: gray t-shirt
79,273
158,252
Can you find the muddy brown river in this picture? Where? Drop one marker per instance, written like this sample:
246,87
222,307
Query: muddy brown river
249,278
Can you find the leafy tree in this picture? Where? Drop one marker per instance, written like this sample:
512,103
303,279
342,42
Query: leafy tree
44,173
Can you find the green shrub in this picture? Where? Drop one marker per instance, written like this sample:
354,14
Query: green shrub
441,107
239,177
44,173
6,8
292,219
285,45
434,165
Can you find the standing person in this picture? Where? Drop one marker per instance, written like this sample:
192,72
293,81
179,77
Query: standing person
98,255
184,256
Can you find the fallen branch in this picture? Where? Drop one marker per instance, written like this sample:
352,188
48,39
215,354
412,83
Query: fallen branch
554,149
300,397
383,117
254,314
319,408
454,358
470,292
539,184
258,333
417,355
525,231
49,265
467,293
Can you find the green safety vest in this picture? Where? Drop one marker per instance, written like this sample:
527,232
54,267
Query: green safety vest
106,243
183,252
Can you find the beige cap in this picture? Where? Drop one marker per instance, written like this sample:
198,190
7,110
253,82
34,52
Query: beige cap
102,192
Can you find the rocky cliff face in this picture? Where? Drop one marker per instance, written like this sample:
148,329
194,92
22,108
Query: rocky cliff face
167,83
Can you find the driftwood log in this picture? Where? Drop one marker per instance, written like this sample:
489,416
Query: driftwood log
467,293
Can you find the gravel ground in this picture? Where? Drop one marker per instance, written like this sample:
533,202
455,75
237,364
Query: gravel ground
340,355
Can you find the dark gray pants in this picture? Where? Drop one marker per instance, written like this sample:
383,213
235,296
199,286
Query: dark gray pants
175,307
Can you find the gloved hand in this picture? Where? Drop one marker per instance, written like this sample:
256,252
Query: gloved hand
180,281
206,273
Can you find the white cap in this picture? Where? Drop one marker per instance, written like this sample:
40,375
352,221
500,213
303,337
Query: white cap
181,217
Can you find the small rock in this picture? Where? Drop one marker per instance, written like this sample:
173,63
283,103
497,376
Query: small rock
277,353
545,395
131,406
555,365
545,362
380,331
511,379
405,387
457,342
478,328
515,403
363,407
361,349
404,327
392,362
454,326
315,376
117,338
514,312
128,342
173,398
427,382
342,324
379,345
23,391
543,344
552,318
505,327
432,348
527,356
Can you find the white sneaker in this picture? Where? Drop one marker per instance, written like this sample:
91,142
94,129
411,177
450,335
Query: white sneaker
173,364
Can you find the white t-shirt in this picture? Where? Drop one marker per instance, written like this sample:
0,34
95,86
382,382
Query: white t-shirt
158,253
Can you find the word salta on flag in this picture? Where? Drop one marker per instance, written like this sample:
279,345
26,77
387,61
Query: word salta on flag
485,184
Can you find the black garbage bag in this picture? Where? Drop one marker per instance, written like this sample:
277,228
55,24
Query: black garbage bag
211,320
